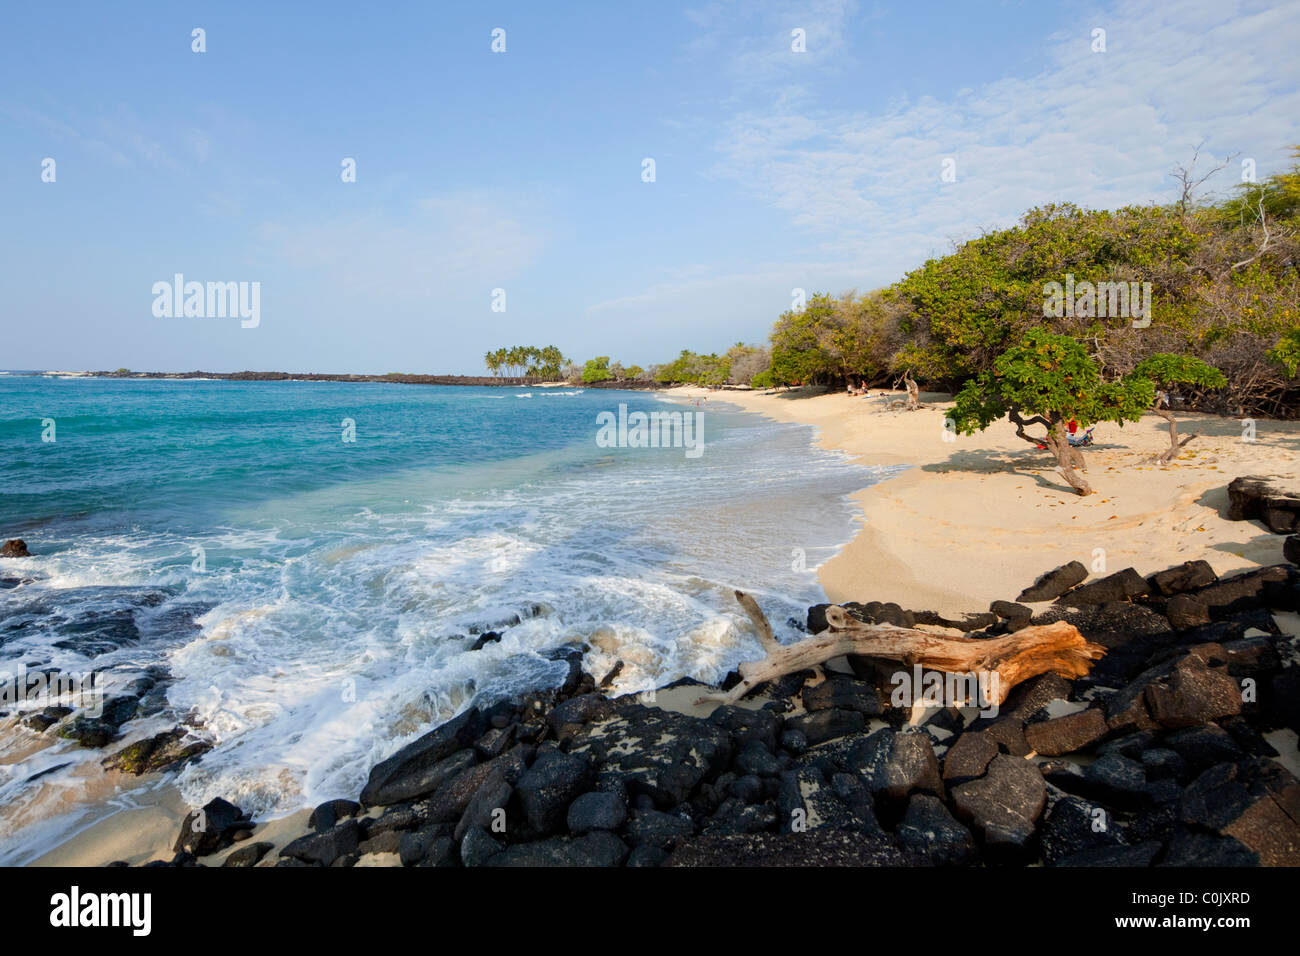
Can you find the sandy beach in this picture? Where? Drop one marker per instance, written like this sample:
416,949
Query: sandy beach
977,518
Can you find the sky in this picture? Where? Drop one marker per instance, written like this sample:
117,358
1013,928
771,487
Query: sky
775,169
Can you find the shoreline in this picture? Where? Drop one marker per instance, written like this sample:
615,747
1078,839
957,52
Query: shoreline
971,493
971,518
391,378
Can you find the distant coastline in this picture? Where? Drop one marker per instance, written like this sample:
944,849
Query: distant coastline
401,379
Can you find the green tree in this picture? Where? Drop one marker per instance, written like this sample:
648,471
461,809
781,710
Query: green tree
1050,380
597,370
1167,371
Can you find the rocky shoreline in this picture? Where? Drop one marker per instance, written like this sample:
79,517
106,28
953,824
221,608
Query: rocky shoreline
1166,754
393,377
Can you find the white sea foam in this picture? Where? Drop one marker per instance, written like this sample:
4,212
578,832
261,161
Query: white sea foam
334,633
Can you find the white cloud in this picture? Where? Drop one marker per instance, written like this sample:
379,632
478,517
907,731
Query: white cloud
1098,129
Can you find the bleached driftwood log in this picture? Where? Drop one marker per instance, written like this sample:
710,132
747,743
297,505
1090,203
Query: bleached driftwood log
1030,651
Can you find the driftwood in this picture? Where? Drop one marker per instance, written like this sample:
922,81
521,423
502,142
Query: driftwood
1030,651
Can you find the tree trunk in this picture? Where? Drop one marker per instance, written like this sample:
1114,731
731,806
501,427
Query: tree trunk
1068,458
1175,446
1030,651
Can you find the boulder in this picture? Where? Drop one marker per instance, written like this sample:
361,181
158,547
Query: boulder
1204,747
479,848
46,718
896,765
658,753
823,725
1188,576
160,752
1073,825
745,724
398,817
15,548
596,810
929,830
842,693
1126,585
1193,693
487,806
1256,802
545,790
449,802
421,766
969,757
1118,780
211,828
1004,804
250,854
1010,611
756,760
1186,611
1063,735
966,623
1263,587
325,848
414,845
327,814
805,802
1054,583
1271,500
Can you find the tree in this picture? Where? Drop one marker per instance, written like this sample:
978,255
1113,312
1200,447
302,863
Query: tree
700,369
746,361
1167,370
1050,380
633,372
596,370
549,363
797,355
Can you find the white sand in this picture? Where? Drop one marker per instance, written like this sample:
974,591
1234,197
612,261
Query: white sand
979,518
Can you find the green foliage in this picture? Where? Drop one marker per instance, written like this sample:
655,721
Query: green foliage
763,379
966,308
1166,369
633,372
696,369
1286,352
828,339
597,370
1052,376
519,361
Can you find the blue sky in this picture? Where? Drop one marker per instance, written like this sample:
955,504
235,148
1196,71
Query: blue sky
522,170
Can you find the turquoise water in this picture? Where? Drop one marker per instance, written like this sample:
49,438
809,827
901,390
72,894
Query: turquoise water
312,601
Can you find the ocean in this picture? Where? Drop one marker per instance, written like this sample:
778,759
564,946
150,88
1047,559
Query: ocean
308,603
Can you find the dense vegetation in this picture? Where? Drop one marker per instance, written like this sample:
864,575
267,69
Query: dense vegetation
1198,300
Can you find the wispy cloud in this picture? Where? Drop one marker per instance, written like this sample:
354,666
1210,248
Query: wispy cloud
1098,129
